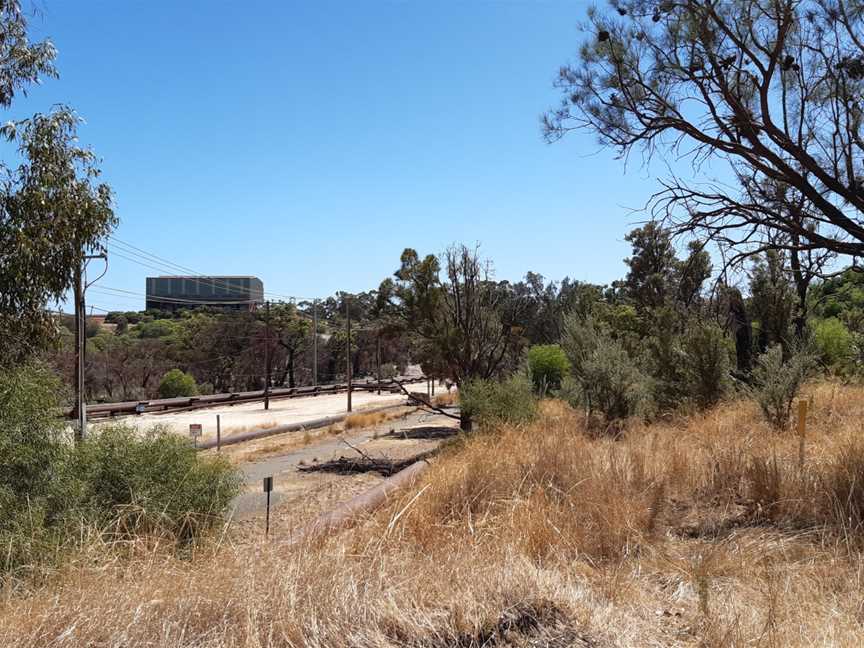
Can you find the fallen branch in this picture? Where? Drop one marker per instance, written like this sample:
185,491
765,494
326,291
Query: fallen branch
426,403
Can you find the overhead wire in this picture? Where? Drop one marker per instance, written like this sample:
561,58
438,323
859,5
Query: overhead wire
148,259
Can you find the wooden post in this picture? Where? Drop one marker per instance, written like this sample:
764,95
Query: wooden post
378,359
315,342
802,431
218,433
267,358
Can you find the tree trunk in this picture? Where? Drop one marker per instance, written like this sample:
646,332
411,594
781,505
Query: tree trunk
802,285
291,354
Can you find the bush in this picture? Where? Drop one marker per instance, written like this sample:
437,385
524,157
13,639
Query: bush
490,402
51,490
548,366
708,354
834,342
177,383
776,382
605,379
155,483
32,455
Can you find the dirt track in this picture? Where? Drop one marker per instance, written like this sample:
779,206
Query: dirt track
297,495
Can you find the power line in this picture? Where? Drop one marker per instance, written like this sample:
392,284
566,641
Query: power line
148,259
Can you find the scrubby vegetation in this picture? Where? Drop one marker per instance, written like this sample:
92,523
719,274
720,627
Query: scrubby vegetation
492,403
54,495
702,531
548,366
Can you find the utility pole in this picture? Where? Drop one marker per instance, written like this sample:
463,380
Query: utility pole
315,342
378,359
267,356
348,352
81,339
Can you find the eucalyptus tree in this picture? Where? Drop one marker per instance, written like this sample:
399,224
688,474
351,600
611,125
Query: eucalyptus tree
53,207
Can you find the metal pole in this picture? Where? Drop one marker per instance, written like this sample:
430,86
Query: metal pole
267,357
267,523
433,384
315,342
218,433
348,352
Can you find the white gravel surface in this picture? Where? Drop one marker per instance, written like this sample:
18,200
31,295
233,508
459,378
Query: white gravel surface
249,416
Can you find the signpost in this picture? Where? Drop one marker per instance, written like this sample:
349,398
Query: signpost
195,431
268,487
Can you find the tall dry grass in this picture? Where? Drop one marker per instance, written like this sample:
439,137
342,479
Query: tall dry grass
703,531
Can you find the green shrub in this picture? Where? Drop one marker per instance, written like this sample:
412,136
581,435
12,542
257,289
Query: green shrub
835,343
548,366
490,402
51,490
776,382
708,363
33,486
177,383
158,482
605,380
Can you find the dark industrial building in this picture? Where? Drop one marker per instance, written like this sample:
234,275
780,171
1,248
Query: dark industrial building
174,293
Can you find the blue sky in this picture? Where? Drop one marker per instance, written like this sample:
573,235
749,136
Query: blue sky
309,143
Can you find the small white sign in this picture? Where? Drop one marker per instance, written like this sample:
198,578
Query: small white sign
195,430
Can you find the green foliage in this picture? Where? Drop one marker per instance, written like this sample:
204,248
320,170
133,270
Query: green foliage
708,362
835,343
50,490
605,380
460,320
160,328
777,381
31,433
841,297
492,402
155,483
548,366
772,300
177,383
53,209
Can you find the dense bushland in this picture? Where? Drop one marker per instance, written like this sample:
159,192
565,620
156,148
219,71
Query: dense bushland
53,494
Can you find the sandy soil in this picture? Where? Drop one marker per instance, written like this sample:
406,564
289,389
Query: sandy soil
248,416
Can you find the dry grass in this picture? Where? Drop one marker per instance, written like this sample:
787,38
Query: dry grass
278,445
704,531
446,399
368,419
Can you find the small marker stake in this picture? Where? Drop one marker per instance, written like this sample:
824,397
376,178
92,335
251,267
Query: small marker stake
268,487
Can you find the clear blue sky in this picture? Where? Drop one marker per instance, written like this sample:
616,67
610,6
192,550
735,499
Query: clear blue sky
309,143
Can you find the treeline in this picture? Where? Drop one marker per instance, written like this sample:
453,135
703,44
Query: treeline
139,354
664,337
663,321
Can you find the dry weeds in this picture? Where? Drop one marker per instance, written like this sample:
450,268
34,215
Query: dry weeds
703,531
